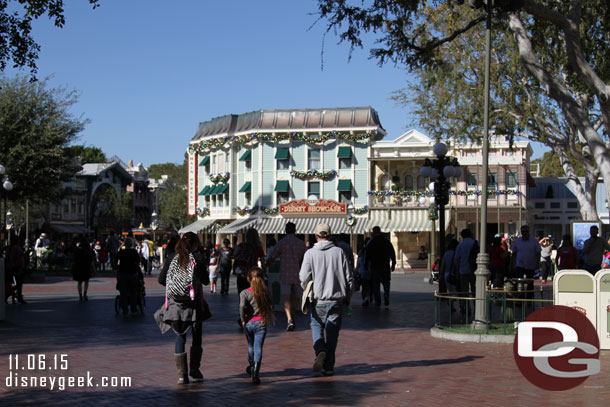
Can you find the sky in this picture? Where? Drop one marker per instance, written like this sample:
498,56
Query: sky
149,71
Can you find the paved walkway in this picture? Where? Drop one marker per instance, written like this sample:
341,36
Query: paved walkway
386,357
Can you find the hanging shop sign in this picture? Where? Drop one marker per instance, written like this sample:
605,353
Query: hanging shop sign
308,207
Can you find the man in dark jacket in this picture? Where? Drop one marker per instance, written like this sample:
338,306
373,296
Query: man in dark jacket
379,254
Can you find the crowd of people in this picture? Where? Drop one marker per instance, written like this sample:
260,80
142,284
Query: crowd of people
82,256
522,257
323,273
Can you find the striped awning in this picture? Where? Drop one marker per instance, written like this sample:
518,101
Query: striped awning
201,225
239,225
337,225
272,225
406,220
277,224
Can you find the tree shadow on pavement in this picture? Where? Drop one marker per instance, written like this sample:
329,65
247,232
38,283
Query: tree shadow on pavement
356,369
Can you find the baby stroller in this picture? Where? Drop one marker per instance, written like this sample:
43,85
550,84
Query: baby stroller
140,297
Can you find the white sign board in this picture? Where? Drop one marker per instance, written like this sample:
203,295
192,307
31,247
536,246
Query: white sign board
192,185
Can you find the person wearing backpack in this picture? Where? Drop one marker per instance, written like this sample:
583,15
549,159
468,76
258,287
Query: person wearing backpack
225,264
185,307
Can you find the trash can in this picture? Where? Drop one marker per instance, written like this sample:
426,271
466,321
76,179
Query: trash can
602,279
576,289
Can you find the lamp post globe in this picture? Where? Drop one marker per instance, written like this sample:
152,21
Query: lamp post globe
7,185
440,149
449,171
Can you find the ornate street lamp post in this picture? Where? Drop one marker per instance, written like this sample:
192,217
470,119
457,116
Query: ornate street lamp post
441,169
154,225
6,187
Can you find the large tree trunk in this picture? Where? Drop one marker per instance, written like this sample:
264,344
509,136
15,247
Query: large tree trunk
575,115
586,198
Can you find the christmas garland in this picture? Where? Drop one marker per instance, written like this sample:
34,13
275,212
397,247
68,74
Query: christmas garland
271,211
477,192
313,174
203,212
359,211
245,210
220,142
220,177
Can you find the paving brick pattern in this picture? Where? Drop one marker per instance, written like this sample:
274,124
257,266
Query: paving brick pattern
386,357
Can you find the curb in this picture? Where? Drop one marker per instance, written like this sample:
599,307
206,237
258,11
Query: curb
476,338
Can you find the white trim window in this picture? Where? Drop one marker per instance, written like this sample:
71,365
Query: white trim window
314,158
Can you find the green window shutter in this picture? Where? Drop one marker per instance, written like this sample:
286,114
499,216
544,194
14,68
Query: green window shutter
204,190
246,187
344,185
282,154
282,186
344,152
246,155
205,160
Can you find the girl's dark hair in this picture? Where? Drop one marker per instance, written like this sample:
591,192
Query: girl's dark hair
183,248
261,295
171,244
252,238
453,244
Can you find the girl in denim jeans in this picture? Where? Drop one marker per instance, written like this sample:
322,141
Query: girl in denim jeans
254,311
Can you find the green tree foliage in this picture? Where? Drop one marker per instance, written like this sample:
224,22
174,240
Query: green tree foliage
112,210
87,155
16,16
35,129
173,207
178,173
550,166
555,57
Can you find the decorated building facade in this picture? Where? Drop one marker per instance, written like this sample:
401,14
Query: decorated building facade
265,168
402,201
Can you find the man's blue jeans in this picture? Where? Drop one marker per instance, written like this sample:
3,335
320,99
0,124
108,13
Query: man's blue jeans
255,334
326,319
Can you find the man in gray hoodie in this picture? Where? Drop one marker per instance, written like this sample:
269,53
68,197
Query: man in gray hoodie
326,265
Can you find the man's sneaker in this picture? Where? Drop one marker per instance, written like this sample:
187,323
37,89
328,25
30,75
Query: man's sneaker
328,372
290,326
365,303
319,362
386,301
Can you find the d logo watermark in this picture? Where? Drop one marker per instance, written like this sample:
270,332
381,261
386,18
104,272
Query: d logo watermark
557,348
